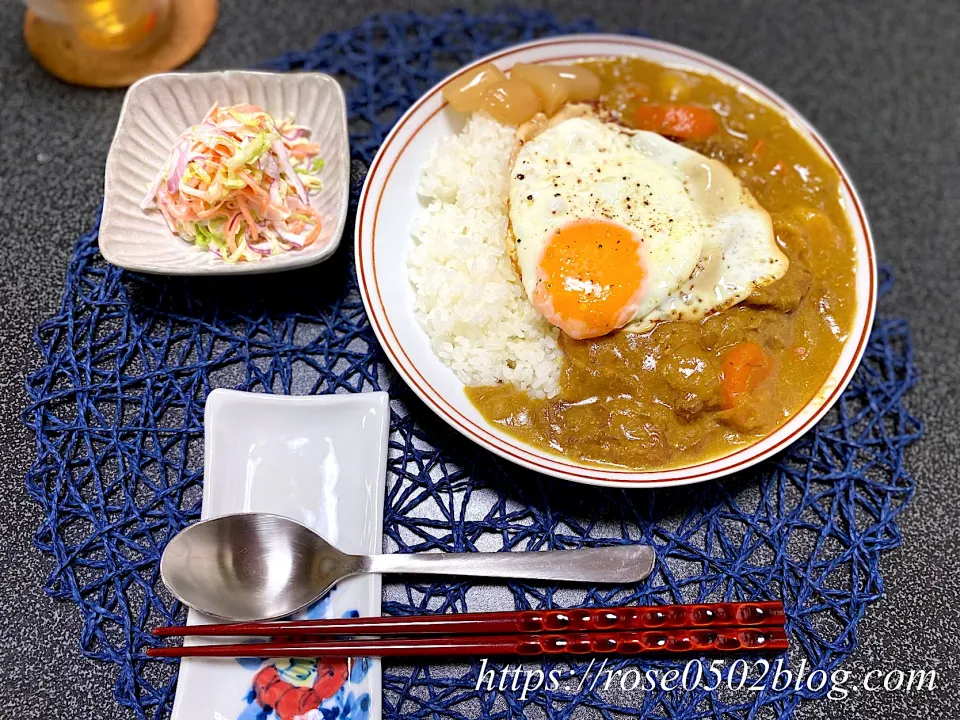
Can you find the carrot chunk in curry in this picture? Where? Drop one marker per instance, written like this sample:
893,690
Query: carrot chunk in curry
685,122
745,366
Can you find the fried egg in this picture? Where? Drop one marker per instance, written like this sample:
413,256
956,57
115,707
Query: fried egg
622,229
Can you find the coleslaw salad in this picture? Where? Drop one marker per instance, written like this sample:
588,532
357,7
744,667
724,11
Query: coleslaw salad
238,183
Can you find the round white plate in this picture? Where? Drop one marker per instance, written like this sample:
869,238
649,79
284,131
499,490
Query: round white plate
386,213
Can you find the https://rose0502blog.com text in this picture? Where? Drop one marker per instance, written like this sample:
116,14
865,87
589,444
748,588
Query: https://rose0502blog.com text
739,675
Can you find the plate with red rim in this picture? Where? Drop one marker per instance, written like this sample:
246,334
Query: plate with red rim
389,203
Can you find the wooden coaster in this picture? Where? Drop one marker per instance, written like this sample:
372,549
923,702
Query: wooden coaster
57,49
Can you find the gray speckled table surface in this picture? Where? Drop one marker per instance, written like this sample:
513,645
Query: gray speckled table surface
879,79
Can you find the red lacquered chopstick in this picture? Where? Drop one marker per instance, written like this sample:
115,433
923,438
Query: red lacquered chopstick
649,617
672,640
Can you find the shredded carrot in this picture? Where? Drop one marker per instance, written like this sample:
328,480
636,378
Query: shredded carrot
314,234
304,149
251,225
229,235
252,184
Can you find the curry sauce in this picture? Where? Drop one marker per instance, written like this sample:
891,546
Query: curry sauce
673,396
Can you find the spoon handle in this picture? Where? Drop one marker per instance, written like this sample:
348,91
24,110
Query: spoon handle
616,564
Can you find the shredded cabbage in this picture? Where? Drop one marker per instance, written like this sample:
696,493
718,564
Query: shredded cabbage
237,184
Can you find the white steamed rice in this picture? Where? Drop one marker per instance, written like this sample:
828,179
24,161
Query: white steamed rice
468,298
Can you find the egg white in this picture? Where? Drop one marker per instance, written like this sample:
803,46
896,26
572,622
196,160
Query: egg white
739,252
706,242
583,168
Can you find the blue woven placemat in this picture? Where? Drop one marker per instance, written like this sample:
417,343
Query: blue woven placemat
117,408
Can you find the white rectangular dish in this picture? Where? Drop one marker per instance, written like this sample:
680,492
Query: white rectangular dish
320,460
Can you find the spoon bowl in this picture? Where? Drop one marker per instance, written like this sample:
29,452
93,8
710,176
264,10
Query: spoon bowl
258,566
252,566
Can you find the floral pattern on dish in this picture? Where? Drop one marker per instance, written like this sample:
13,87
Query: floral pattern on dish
308,688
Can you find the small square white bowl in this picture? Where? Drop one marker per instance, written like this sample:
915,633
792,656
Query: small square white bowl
157,109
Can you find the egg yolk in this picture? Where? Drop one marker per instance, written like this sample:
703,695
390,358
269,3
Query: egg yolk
589,277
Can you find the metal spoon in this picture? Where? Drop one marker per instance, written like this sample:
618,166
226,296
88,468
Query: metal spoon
257,566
